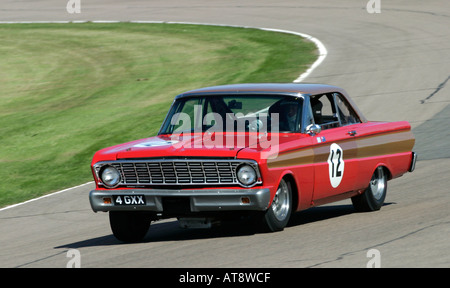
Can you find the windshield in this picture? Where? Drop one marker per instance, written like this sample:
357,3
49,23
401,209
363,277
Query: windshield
249,113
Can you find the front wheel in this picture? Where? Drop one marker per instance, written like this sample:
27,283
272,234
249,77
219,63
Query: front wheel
373,197
129,226
278,214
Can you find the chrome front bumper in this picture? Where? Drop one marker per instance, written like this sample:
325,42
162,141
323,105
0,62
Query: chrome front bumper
199,200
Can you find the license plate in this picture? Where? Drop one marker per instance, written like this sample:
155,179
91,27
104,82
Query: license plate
132,200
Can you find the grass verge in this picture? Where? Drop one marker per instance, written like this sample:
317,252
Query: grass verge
68,90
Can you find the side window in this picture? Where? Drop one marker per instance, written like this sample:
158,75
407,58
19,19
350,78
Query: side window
324,111
347,115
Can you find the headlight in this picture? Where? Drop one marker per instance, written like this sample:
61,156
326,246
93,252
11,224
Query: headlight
246,175
110,176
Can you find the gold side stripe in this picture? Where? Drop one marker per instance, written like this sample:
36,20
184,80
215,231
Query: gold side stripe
354,148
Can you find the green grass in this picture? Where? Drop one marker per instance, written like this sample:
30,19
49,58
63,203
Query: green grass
68,90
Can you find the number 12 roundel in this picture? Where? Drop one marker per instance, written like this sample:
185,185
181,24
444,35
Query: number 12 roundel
336,165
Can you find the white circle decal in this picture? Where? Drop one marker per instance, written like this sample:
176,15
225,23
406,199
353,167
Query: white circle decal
336,165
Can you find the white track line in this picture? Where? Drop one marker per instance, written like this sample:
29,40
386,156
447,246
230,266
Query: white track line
322,55
45,196
322,52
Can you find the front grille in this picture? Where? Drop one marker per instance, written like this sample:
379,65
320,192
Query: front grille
136,173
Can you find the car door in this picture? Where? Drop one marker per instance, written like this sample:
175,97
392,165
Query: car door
335,150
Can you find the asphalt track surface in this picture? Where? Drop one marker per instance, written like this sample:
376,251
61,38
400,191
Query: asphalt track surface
394,64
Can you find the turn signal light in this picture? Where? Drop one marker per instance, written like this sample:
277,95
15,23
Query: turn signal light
245,200
107,200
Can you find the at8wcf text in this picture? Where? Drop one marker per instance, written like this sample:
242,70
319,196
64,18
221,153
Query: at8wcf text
225,277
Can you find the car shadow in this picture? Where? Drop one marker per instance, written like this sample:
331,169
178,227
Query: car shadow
170,230
320,213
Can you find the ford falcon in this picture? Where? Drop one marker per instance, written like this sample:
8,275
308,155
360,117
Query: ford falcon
265,150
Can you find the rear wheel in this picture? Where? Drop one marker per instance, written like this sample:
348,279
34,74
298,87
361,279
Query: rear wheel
129,226
278,214
373,197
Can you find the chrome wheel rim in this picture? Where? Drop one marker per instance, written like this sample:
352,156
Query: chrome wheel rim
378,183
281,202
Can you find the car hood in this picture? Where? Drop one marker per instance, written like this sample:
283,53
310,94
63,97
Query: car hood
192,145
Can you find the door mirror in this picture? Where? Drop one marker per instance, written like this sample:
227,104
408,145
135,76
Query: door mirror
313,129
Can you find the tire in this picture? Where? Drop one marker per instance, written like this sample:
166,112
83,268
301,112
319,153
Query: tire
129,226
278,214
373,197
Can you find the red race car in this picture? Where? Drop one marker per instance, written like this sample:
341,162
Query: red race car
260,150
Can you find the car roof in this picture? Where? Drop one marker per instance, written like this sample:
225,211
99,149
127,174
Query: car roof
265,88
